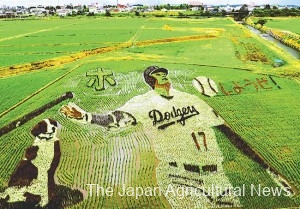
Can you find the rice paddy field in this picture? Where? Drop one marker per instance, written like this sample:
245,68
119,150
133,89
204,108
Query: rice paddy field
283,23
40,60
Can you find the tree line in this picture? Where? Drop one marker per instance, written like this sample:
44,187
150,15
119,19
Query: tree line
274,11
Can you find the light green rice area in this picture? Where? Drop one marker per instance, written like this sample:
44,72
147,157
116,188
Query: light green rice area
265,119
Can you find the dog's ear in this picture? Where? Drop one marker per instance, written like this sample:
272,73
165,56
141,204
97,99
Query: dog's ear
39,128
31,152
53,122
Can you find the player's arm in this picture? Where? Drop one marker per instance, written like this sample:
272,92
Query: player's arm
115,119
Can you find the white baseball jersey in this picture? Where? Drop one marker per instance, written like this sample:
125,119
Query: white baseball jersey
180,128
176,126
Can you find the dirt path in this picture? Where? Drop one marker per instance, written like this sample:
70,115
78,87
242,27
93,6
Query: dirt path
135,36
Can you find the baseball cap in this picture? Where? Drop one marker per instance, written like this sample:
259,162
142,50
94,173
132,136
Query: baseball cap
150,70
156,69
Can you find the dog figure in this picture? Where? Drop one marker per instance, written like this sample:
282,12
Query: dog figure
33,179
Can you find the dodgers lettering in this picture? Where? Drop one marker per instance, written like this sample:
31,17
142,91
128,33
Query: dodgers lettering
179,116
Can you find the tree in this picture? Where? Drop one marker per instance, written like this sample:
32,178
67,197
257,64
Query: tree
223,12
85,8
244,8
261,22
183,6
168,6
107,13
243,12
267,7
74,13
69,6
137,13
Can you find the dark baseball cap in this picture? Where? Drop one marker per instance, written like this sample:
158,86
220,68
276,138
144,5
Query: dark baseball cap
150,80
156,69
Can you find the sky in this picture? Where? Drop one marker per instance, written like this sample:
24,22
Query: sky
145,2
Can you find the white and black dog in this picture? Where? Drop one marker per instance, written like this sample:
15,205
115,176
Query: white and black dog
32,184
33,178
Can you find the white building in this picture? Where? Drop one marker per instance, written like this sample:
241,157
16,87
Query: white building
63,12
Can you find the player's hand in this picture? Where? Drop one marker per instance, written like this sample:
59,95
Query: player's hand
72,111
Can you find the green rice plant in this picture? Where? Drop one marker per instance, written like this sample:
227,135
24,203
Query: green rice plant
90,154
282,23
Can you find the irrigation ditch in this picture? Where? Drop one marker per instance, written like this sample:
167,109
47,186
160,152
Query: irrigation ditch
268,37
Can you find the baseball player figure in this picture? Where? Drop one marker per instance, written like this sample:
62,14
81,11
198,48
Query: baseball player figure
180,127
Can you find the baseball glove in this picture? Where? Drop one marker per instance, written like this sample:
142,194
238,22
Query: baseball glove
73,111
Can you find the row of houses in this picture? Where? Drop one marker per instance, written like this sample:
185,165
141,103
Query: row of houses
230,8
20,11
65,10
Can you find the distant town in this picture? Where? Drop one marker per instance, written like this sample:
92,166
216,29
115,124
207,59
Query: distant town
7,11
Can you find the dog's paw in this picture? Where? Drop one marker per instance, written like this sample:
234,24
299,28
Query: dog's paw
32,198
